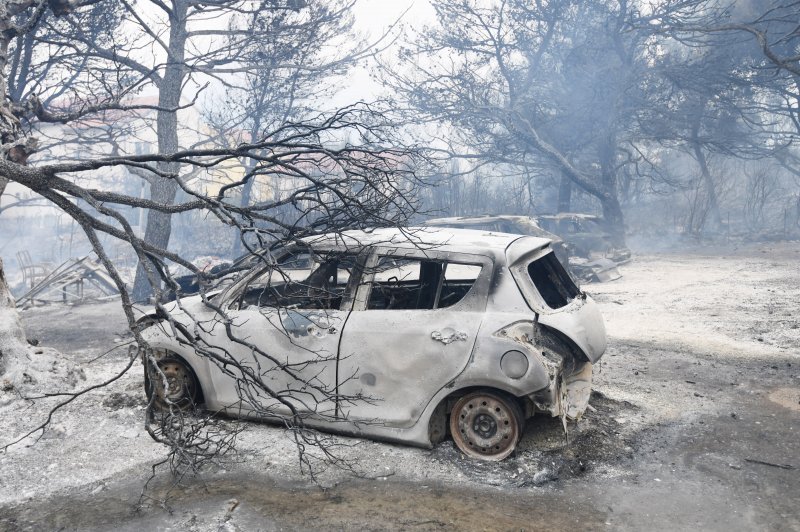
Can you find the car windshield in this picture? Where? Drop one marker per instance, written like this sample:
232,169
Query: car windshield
552,281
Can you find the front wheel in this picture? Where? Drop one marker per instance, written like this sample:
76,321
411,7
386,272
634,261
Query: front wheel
180,390
486,425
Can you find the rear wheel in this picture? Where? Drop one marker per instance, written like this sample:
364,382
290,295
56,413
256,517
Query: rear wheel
486,424
181,389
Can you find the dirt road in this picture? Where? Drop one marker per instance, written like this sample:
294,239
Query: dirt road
695,425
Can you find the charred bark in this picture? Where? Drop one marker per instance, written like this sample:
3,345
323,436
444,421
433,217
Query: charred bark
247,188
609,199
12,334
564,194
163,189
247,195
16,147
615,220
705,175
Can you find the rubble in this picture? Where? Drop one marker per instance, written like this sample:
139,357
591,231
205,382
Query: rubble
68,282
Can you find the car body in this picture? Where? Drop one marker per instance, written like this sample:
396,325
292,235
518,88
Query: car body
586,234
394,334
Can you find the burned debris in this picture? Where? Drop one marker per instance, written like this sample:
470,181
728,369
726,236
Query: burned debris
73,281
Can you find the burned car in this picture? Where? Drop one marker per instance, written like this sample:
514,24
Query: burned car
586,233
405,335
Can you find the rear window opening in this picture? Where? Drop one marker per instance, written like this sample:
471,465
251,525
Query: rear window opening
552,281
405,284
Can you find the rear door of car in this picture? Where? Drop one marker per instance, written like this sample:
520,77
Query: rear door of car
412,330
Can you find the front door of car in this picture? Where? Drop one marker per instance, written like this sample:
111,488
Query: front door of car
286,329
412,331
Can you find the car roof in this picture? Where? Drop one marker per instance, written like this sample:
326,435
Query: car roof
465,220
440,239
569,216
524,224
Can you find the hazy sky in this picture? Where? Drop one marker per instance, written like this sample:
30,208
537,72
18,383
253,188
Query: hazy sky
376,15
373,18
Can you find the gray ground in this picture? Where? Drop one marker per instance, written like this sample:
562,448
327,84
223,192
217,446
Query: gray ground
694,425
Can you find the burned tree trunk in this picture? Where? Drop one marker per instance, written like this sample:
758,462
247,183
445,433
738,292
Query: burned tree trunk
564,194
16,148
612,213
609,198
163,189
247,195
247,189
705,174
12,335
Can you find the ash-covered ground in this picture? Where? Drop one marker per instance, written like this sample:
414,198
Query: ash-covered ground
694,424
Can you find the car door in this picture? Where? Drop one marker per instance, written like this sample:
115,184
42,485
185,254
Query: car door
412,330
286,326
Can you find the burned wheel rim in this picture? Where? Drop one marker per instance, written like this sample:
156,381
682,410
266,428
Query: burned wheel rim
486,425
180,388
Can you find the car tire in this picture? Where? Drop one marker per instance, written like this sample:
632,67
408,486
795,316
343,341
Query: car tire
182,391
486,424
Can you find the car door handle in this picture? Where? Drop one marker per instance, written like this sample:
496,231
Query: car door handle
332,330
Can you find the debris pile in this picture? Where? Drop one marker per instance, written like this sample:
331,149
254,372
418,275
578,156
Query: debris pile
599,270
73,281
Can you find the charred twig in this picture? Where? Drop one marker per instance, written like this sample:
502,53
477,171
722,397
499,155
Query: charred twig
762,462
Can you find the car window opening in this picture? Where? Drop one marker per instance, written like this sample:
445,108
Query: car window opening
296,260
406,284
552,281
324,288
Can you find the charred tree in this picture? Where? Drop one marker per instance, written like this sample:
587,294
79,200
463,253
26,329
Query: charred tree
546,81
15,18
367,183
564,194
163,187
302,69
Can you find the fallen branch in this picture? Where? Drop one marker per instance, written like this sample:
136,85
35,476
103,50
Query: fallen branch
782,466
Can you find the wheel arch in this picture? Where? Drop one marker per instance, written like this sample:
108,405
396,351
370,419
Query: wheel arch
438,424
170,354
156,334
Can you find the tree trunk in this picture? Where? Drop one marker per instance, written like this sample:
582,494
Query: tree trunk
609,199
564,194
247,189
605,191
12,335
705,174
708,183
162,190
615,220
247,195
